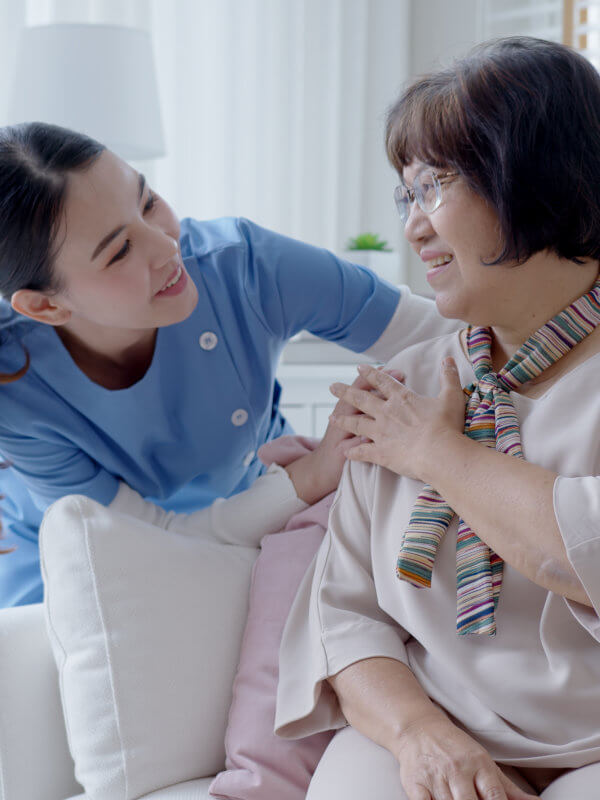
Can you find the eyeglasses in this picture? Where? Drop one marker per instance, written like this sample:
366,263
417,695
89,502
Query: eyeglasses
427,191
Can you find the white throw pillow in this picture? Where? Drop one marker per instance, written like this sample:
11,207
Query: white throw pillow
146,627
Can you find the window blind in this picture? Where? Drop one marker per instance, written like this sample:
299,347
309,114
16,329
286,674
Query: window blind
581,28
574,22
541,18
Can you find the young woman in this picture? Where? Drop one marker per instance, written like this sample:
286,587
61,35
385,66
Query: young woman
454,605
144,350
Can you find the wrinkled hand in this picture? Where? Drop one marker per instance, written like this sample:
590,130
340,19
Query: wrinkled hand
439,761
401,430
318,473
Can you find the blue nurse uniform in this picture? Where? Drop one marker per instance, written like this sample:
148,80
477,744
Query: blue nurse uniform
188,431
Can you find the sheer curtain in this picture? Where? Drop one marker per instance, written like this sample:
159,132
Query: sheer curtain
273,109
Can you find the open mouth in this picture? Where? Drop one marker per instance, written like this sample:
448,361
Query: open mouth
441,261
173,281
438,265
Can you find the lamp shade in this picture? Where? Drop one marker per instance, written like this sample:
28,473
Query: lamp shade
96,79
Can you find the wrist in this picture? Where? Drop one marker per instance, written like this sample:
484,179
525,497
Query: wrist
304,474
440,452
405,732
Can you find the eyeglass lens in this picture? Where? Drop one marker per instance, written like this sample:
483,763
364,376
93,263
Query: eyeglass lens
426,191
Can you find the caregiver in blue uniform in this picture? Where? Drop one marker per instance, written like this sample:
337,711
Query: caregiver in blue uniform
140,349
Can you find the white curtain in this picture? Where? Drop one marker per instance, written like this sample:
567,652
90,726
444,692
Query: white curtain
273,109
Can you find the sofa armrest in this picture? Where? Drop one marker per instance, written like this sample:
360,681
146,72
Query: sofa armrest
35,763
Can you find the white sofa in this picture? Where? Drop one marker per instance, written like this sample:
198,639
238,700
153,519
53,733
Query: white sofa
141,631
35,763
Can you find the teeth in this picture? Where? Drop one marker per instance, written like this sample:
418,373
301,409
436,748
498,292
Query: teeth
175,279
438,262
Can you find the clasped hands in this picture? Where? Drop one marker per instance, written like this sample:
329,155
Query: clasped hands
398,428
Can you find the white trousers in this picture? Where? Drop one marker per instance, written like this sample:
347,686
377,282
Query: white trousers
354,768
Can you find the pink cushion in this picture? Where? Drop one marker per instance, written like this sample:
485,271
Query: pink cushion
259,765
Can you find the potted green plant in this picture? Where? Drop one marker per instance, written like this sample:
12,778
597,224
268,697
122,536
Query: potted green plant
371,251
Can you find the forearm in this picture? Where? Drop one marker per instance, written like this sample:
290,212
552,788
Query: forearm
381,698
508,502
242,519
416,319
310,480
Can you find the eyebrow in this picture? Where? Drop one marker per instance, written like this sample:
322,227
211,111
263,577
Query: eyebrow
113,234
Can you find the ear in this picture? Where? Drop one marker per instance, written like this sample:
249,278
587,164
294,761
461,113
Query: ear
40,307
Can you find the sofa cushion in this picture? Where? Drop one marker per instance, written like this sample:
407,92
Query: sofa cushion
145,627
260,765
190,790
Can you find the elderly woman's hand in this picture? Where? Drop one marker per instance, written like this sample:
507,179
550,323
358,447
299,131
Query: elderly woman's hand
318,473
401,430
439,761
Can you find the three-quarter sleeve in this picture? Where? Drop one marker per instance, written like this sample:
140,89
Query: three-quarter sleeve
577,510
416,319
336,619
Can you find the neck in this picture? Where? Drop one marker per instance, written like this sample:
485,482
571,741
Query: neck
112,357
563,283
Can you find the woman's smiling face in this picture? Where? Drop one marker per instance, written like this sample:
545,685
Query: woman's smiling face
453,242
118,262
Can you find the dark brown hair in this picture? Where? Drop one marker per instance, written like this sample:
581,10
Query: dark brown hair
519,119
35,162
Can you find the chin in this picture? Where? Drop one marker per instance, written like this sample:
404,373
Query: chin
451,309
473,310
191,301
187,302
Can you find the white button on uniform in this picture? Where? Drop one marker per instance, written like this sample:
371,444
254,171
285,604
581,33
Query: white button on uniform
239,417
208,340
249,458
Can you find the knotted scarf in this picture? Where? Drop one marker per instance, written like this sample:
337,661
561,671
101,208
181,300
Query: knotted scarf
490,418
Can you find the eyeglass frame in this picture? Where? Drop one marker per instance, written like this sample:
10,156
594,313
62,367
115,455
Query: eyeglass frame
438,180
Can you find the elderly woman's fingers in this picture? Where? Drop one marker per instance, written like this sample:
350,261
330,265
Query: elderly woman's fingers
513,792
463,788
395,373
364,401
418,792
441,791
350,443
379,379
342,406
358,424
365,452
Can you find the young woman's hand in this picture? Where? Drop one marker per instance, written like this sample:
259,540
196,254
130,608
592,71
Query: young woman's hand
439,761
402,429
318,473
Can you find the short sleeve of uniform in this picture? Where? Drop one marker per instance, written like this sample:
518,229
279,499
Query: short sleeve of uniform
292,286
577,510
335,619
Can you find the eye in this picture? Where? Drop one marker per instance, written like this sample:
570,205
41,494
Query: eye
122,253
150,202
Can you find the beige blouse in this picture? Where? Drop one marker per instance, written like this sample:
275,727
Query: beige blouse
531,694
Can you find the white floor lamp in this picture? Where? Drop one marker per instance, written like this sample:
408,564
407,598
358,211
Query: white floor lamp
96,79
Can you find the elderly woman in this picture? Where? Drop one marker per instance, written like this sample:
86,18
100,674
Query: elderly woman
449,626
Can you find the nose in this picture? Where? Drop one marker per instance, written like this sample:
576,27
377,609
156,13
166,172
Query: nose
418,225
164,248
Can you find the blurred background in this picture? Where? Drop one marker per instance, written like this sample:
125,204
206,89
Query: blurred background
270,109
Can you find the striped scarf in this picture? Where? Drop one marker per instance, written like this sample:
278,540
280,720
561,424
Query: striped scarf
490,418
